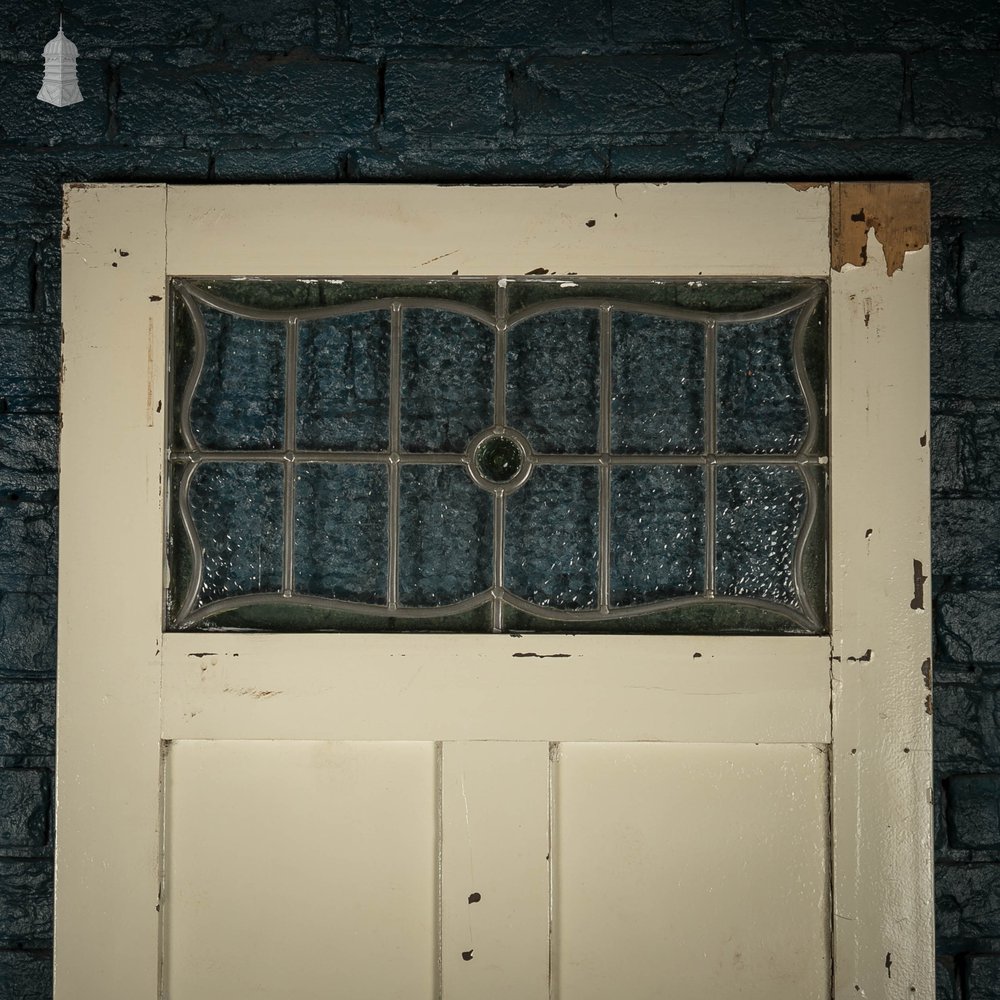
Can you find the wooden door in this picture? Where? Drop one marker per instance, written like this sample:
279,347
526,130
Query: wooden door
529,814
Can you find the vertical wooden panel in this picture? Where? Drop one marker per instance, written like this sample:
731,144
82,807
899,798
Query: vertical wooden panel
495,871
300,869
881,603
108,758
691,871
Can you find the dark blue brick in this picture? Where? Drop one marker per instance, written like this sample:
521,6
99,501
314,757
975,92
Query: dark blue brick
842,95
24,807
279,99
17,264
25,119
29,367
966,540
28,631
956,89
983,978
652,22
180,26
32,189
970,22
27,718
279,165
964,175
534,164
25,903
91,24
968,626
696,157
968,901
48,278
965,360
27,540
479,23
967,726
952,452
979,288
25,975
639,95
946,986
965,453
443,99
974,811
944,271
940,816
28,451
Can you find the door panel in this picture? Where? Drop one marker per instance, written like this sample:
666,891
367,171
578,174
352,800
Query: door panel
303,869
691,870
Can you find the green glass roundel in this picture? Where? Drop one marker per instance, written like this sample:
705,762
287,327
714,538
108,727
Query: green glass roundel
499,459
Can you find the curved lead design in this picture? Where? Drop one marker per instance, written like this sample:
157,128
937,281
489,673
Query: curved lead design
806,614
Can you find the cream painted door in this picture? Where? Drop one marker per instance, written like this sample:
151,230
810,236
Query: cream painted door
493,816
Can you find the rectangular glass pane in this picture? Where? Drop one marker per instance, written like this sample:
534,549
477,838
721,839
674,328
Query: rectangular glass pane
343,383
550,555
342,531
447,380
657,533
553,380
657,384
445,536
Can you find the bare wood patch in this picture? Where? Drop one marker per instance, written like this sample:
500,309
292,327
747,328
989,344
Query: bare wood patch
898,212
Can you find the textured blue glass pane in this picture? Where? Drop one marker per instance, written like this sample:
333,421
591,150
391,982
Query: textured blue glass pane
445,535
760,513
343,383
447,380
239,401
237,510
657,384
553,381
551,537
761,407
657,533
341,531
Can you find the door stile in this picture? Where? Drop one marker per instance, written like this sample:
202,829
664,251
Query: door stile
880,642
108,755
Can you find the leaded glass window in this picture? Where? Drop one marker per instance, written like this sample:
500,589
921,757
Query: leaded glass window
504,454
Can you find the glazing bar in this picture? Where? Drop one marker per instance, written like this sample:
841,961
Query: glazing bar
291,408
711,444
395,355
604,446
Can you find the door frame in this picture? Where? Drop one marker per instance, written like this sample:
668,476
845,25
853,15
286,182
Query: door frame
868,694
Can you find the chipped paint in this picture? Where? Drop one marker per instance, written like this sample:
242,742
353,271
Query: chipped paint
250,692
898,212
806,185
919,579
150,373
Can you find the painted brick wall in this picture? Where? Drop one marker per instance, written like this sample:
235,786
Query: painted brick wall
517,90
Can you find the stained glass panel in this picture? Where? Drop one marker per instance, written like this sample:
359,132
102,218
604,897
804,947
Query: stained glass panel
470,454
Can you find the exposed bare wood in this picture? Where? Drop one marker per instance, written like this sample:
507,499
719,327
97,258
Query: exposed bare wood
898,212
